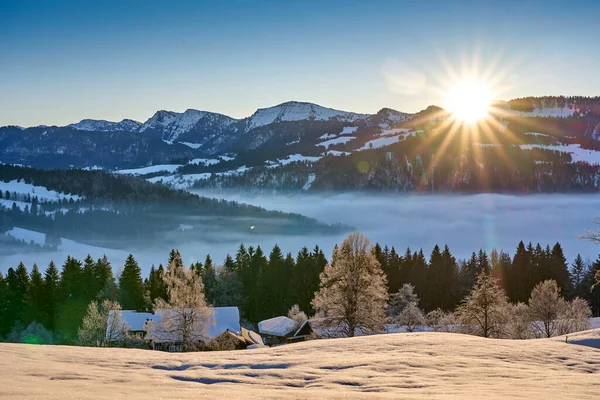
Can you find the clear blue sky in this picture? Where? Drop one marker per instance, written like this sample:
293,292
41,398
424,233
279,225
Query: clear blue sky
61,61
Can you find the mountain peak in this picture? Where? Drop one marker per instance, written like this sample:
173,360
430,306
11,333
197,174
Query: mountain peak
99,125
297,111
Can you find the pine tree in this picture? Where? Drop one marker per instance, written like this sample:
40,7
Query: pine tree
72,305
559,270
353,288
18,286
105,285
89,288
209,278
273,286
519,282
51,296
578,269
131,287
229,285
4,327
35,296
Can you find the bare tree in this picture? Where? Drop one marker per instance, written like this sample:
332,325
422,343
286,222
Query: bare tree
484,311
545,307
353,290
102,325
186,317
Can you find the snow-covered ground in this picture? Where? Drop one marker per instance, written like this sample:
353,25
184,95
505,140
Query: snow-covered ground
309,182
40,192
297,157
205,161
417,365
192,145
149,170
337,140
577,153
557,112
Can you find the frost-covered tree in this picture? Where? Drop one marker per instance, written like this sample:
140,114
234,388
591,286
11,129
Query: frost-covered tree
353,288
519,324
411,317
441,321
298,316
401,299
404,308
575,317
545,306
99,328
186,316
484,311
35,333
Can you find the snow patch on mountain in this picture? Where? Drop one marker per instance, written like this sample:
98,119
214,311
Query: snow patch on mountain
298,111
126,125
548,112
309,182
385,141
338,140
41,192
149,170
192,145
297,158
575,150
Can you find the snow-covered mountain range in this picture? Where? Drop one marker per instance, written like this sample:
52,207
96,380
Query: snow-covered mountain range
281,131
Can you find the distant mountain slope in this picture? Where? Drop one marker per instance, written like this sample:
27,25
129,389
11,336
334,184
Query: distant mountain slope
272,133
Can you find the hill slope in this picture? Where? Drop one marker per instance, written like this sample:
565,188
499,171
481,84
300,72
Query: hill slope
419,365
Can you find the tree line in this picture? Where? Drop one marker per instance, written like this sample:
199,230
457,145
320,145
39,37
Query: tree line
267,285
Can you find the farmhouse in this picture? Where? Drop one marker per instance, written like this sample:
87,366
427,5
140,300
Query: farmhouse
144,325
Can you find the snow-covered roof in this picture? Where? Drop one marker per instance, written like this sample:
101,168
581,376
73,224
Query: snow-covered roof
278,326
223,319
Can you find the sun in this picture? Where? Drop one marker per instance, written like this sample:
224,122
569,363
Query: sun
469,101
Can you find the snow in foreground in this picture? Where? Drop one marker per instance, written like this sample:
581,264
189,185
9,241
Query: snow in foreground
420,365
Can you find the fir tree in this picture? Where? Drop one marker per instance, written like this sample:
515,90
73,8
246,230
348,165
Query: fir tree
36,296
51,295
131,287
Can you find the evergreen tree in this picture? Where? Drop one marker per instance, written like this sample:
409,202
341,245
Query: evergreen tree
89,289
4,327
209,278
72,305
520,275
229,285
559,270
258,264
36,297
105,285
51,296
18,286
273,285
131,287
578,270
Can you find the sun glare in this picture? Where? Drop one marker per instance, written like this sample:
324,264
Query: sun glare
469,101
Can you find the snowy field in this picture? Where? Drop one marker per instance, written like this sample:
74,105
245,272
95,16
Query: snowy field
418,365
41,192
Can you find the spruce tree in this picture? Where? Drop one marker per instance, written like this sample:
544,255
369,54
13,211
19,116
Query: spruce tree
131,287
4,327
51,296
36,297
105,285
89,287
18,286
559,270
209,278
72,302
578,269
